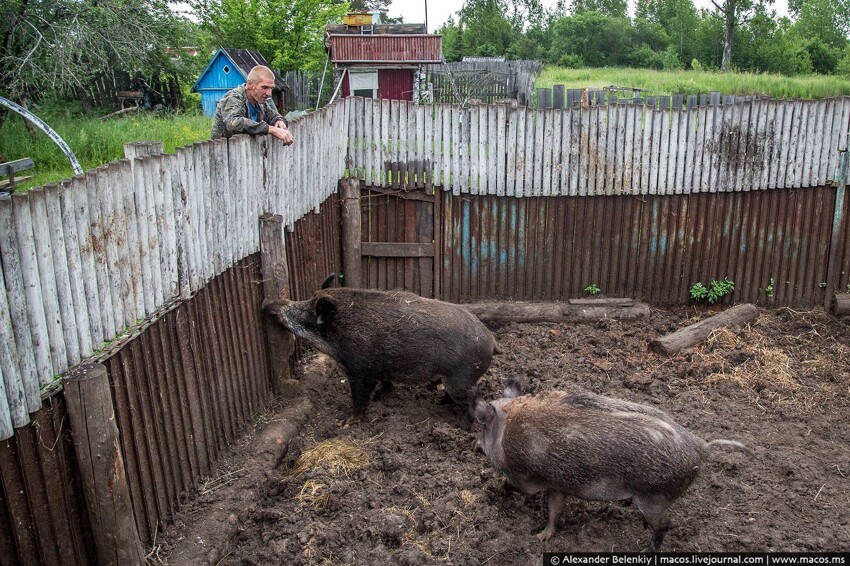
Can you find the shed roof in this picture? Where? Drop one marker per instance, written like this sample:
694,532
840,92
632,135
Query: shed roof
243,60
395,49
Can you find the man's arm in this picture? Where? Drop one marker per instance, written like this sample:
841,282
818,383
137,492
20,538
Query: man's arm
280,128
236,121
273,117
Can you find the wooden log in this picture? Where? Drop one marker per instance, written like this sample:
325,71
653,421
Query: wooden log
276,287
101,463
351,247
841,304
699,331
577,310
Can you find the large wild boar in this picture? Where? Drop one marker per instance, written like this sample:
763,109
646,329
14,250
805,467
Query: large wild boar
378,336
591,447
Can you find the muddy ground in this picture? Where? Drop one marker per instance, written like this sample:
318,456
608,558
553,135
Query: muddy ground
406,486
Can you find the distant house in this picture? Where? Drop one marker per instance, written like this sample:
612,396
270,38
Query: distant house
382,60
228,69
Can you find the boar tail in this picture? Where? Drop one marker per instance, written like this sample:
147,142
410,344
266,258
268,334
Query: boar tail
733,443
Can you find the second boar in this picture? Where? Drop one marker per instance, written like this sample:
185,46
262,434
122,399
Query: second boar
591,447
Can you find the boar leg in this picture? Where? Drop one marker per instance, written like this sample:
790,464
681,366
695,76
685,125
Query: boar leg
361,392
386,387
654,509
556,505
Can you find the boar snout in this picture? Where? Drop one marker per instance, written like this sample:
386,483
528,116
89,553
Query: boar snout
274,308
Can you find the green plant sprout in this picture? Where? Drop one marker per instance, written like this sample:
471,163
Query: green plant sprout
592,289
715,291
769,288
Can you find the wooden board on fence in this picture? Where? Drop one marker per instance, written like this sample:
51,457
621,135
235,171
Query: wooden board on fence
398,236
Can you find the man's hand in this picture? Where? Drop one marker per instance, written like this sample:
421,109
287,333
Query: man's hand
282,133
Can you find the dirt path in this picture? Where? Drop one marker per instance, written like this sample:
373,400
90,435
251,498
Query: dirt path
406,486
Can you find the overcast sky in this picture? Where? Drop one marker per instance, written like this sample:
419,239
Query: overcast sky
440,10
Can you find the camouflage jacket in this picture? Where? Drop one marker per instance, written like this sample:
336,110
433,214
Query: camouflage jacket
231,116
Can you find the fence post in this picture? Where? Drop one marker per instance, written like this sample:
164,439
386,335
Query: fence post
836,230
134,150
276,287
350,190
558,96
101,464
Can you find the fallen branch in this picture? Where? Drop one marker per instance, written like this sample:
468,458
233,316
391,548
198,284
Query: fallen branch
699,331
576,310
121,112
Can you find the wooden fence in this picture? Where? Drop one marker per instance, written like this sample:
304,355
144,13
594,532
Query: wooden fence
85,261
483,80
603,150
302,89
560,97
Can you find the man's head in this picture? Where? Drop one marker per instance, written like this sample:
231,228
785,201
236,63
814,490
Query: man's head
260,84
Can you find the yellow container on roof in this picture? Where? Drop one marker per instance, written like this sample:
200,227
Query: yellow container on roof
357,19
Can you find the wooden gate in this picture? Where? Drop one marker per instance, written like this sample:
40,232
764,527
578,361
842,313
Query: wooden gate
400,235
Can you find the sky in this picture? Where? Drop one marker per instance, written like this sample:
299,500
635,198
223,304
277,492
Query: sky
440,10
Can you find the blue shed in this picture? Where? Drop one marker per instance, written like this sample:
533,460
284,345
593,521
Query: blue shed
228,69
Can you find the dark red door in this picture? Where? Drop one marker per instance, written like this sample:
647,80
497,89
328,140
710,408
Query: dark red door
395,84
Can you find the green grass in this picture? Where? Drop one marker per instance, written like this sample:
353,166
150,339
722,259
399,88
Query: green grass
697,82
94,141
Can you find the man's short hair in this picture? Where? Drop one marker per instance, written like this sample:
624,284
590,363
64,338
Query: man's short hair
260,72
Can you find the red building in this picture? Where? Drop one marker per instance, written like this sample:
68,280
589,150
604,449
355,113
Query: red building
382,60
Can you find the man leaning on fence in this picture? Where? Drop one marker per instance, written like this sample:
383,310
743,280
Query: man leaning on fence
248,109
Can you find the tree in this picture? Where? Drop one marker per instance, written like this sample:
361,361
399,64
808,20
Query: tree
61,45
288,33
613,8
677,17
823,21
486,29
599,40
734,13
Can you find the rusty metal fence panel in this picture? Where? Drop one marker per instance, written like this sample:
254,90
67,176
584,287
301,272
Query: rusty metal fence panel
773,245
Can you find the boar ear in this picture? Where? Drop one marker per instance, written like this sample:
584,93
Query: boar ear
483,412
325,310
328,281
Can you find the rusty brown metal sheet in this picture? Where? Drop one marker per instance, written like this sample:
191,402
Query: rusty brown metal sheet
42,512
313,249
652,247
185,387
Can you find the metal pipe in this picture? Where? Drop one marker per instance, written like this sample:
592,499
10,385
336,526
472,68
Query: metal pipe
42,125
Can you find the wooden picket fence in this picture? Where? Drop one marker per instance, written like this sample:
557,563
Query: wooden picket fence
483,80
600,150
559,96
85,260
